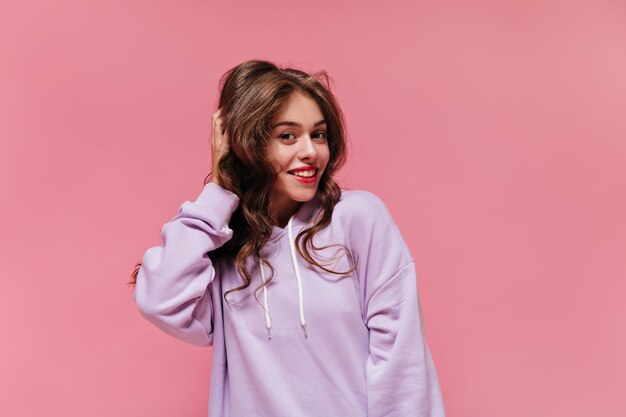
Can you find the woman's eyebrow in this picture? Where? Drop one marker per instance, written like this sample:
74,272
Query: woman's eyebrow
290,123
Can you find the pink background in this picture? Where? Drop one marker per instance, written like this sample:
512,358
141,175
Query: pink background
494,131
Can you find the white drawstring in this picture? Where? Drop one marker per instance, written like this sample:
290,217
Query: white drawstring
298,278
268,321
297,270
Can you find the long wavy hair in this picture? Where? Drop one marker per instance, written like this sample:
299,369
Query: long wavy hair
252,94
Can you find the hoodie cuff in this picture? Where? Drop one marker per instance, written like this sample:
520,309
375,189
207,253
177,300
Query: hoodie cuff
218,201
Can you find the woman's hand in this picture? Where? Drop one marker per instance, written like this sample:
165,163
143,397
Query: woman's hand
219,144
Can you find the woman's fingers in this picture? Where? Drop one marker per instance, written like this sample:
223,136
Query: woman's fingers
219,141
220,137
215,130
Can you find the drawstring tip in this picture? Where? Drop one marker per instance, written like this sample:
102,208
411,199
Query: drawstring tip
304,328
269,334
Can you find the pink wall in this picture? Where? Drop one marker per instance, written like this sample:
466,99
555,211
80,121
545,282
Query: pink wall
495,131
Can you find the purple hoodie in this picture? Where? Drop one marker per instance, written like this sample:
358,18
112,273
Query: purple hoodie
316,343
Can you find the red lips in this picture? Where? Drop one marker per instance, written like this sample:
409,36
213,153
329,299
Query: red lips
304,168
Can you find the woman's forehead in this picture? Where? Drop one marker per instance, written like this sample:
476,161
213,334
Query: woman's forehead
300,110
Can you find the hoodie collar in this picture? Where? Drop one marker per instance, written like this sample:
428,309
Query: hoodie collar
301,218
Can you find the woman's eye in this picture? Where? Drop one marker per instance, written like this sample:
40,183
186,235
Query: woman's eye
317,135
286,135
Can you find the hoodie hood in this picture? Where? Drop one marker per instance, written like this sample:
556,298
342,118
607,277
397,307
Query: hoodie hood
305,216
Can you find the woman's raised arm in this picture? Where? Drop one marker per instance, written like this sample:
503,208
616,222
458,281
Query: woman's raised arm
172,289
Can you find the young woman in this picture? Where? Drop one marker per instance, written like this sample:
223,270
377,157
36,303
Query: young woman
338,331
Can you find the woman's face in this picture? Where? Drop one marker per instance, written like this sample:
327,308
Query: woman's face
298,140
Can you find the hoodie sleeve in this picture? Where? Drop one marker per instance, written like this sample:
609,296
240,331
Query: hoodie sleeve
173,282
401,376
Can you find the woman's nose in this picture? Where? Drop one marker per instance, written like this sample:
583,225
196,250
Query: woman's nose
307,147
